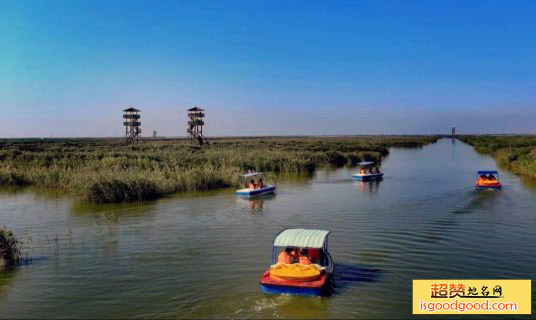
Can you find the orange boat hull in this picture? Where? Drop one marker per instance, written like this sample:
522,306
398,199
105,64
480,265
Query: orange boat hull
276,285
488,185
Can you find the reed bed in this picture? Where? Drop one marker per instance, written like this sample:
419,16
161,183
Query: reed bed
516,153
107,170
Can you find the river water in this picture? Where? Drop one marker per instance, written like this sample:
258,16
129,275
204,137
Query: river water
201,255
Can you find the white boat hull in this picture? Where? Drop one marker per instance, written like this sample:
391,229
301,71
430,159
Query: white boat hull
256,192
368,176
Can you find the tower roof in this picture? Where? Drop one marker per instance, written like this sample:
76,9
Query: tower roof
132,109
196,109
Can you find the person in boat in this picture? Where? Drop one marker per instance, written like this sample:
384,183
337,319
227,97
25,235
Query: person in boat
491,177
252,185
304,259
361,171
376,170
260,185
296,254
286,256
315,255
482,177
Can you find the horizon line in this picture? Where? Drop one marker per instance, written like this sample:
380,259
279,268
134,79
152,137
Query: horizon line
274,136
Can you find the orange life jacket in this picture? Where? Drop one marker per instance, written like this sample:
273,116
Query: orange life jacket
285,257
305,260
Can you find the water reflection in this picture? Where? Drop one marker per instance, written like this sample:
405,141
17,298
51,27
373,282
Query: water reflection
303,180
14,190
27,261
345,275
369,186
36,192
111,211
529,183
6,279
256,204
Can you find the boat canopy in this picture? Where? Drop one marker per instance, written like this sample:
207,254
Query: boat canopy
302,238
251,174
365,163
488,172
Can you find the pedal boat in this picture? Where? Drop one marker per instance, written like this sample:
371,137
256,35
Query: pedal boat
367,176
296,278
487,184
247,192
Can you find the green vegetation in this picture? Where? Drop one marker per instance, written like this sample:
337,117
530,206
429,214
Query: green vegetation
9,249
516,153
107,170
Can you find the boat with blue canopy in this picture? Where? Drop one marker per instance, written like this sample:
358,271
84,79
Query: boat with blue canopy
255,187
309,269
487,180
368,171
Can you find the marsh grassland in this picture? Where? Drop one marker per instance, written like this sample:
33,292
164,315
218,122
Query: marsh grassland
107,170
516,153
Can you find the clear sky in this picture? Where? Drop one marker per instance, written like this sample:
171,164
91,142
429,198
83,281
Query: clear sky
67,68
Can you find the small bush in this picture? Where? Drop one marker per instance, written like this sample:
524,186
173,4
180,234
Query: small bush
114,190
9,248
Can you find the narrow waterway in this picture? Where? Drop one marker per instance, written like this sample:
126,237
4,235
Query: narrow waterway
201,255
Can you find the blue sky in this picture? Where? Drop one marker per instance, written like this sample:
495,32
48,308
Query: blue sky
67,68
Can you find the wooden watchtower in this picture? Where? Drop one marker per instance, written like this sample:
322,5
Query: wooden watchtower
196,123
132,124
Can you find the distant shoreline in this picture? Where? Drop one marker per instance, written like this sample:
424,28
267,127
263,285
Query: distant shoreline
279,136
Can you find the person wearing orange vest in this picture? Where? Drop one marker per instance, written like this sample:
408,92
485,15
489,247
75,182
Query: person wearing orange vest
315,255
304,259
296,254
286,256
